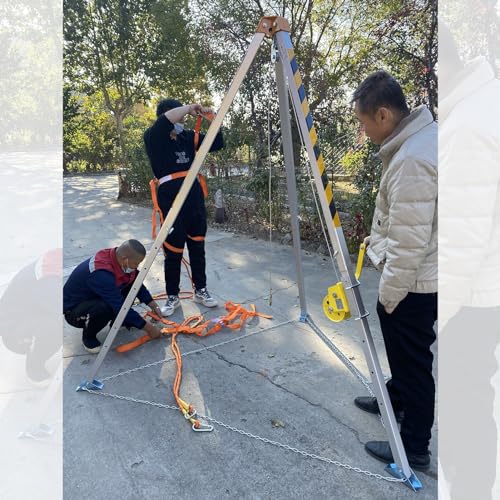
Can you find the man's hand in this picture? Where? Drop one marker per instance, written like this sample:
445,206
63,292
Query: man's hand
198,109
366,241
195,109
390,307
152,331
155,308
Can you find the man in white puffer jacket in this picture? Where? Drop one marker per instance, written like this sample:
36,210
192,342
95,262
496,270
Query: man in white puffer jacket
403,245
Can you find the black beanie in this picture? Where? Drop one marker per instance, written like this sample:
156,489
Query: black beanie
166,105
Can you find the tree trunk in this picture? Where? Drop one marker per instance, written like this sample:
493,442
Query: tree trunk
119,116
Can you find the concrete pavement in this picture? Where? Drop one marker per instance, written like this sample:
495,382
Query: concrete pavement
116,449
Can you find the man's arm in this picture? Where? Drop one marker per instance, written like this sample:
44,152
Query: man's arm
177,114
146,298
218,141
412,203
143,295
103,284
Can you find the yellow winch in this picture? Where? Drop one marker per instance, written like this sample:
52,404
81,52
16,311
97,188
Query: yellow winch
335,304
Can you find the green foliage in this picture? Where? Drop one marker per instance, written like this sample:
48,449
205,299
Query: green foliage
89,134
130,51
138,172
258,185
192,51
367,181
353,160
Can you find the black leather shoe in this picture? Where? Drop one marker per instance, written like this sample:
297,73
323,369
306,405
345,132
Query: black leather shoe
382,451
370,405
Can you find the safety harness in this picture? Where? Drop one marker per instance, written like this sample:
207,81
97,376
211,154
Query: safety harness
155,183
157,214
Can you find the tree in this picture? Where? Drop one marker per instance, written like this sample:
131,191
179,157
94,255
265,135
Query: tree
90,142
127,50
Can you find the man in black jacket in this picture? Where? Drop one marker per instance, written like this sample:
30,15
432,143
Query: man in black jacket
171,150
97,288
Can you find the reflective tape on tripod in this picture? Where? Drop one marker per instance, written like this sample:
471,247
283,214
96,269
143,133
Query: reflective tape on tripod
312,134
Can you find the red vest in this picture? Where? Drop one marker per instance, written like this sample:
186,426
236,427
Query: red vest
106,259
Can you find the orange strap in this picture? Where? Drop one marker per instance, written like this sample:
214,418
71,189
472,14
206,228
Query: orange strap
196,238
197,127
234,320
153,184
180,175
203,183
194,325
132,345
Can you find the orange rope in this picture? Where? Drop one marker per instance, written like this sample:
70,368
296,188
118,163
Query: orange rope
194,325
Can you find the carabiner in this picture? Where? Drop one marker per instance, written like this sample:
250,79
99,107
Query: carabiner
188,415
202,427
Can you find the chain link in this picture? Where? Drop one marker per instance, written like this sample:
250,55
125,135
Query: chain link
252,436
283,446
301,452
128,398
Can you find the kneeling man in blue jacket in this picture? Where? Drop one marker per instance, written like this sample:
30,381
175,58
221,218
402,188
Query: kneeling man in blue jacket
97,288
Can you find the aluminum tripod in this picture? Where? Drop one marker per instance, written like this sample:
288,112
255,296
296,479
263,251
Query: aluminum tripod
288,82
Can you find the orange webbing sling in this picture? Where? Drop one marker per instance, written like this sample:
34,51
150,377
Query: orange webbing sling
194,325
197,127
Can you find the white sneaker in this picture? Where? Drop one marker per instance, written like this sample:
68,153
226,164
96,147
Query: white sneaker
93,350
170,306
203,297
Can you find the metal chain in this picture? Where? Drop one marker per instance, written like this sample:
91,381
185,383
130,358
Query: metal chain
253,436
301,452
306,454
167,360
128,398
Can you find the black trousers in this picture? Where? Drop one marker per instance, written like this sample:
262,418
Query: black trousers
190,228
408,335
92,316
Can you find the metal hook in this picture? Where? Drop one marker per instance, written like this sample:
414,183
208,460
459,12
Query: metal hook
188,415
203,427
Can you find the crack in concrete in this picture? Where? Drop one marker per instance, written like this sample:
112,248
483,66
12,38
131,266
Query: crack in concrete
279,386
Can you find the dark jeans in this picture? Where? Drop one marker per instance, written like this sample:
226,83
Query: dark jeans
408,335
92,316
